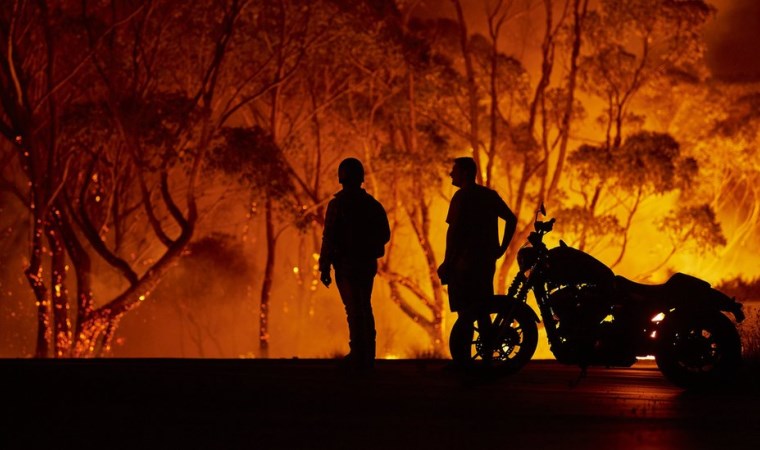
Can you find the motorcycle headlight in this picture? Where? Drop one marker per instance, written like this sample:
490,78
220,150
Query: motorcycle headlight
526,258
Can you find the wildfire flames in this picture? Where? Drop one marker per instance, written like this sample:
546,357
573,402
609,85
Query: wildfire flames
165,168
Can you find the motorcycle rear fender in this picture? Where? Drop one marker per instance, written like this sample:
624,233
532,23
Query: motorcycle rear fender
506,300
728,304
693,293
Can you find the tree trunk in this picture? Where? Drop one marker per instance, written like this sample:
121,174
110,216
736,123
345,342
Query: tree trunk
34,272
436,331
60,303
266,287
627,229
591,213
509,257
579,14
471,88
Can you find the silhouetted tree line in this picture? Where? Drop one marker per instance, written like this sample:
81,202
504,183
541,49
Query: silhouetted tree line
741,288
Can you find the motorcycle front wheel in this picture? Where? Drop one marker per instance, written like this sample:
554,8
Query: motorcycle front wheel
516,340
698,350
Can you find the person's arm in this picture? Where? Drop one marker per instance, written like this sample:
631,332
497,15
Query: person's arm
510,225
452,240
443,269
328,244
381,229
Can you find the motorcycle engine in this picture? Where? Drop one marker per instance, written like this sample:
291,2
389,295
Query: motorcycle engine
580,313
574,304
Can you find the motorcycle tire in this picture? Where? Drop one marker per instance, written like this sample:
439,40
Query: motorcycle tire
698,350
514,349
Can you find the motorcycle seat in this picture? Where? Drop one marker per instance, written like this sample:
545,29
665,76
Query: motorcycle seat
625,285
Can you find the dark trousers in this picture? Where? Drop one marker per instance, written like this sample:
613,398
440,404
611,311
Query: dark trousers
470,292
355,286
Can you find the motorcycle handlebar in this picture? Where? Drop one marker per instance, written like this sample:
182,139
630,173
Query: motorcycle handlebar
544,227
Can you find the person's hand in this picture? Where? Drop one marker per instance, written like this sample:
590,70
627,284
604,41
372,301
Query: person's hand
326,278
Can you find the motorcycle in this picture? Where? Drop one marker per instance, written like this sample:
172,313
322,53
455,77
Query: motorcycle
593,317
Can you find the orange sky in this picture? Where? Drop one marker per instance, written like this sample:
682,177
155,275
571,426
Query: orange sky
733,37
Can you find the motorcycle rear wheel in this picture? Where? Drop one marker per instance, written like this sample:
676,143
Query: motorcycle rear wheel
698,350
516,344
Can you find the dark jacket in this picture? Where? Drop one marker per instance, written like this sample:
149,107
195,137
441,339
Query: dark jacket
356,230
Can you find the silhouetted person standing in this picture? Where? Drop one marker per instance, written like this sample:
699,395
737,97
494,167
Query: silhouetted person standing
472,243
356,231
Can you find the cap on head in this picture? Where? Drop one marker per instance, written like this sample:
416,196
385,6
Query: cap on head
351,171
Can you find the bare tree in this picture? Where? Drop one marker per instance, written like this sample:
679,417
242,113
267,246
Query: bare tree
107,147
667,36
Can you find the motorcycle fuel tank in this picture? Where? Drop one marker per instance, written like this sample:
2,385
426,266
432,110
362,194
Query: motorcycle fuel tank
572,266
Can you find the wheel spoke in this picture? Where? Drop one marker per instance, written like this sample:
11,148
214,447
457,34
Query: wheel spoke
514,341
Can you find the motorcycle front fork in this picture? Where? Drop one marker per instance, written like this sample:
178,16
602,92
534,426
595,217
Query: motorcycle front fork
502,323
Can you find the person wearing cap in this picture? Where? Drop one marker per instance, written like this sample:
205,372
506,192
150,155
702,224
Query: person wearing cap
354,237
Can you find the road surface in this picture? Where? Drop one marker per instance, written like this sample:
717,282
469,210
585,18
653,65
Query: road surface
404,404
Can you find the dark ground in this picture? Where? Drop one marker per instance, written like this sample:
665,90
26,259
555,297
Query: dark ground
302,404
